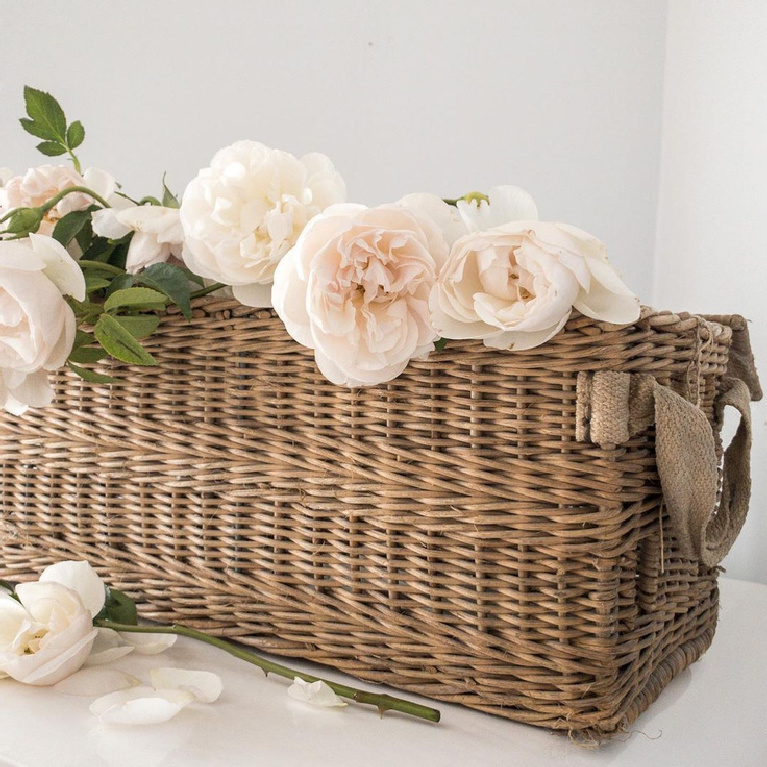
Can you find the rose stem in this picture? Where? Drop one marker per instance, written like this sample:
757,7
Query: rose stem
382,702
59,196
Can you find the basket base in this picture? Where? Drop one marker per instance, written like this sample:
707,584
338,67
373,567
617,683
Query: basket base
659,665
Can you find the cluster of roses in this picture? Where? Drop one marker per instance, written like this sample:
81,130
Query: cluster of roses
368,289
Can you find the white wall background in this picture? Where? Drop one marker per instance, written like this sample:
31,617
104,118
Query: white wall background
563,97
712,221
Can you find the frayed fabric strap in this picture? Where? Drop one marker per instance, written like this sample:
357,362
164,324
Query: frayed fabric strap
612,407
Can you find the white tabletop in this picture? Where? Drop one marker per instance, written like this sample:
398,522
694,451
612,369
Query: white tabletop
714,713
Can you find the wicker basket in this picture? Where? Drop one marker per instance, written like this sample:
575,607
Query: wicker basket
447,533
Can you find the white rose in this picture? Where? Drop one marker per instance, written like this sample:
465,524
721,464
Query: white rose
504,204
514,286
243,213
46,635
158,234
355,288
37,327
444,216
38,185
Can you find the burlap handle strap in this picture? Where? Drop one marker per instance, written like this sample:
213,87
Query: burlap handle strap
613,407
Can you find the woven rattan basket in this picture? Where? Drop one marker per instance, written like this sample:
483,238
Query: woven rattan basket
462,532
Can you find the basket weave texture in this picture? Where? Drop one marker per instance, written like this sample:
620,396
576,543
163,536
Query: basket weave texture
445,533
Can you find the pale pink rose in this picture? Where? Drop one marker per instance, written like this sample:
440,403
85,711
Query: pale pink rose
37,326
355,288
515,286
38,185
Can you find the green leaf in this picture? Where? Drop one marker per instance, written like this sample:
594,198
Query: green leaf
99,249
75,134
85,310
46,113
82,338
85,236
440,344
119,608
93,283
82,352
89,375
139,325
119,256
169,200
136,297
190,275
171,281
120,282
51,148
119,343
149,200
70,225
38,131
86,355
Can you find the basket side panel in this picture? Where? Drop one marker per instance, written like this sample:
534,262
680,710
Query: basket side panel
444,533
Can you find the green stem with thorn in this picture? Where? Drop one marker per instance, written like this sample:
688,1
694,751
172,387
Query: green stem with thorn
381,702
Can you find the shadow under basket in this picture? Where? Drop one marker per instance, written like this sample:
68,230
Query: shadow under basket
492,528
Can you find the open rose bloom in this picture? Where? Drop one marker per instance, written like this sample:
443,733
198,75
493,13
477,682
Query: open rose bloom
514,286
241,215
48,633
356,287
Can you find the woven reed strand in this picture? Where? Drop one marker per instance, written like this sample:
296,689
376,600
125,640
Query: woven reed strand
444,533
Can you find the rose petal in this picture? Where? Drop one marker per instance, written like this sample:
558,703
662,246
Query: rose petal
317,693
101,182
95,682
34,390
80,577
256,295
107,648
60,268
105,223
141,705
148,644
507,203
446,217
12,616
204,685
